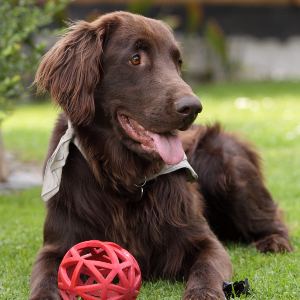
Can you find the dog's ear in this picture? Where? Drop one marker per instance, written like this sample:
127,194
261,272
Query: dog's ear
70,71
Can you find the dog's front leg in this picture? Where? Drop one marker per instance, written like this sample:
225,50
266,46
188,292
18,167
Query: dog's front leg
44,285
206,277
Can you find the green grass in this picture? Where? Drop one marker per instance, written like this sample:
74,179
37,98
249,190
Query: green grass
21,215
272,124
27,131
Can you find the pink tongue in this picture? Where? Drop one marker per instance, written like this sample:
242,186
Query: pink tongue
169,147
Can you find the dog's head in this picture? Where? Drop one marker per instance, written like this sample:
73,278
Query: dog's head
123,71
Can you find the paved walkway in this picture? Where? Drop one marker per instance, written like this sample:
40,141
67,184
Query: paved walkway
21,175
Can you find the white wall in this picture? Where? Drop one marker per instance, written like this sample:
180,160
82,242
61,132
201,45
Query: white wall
253,59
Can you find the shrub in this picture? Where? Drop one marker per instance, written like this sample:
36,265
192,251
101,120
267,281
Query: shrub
19,55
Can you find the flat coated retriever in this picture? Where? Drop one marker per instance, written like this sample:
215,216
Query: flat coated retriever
118,81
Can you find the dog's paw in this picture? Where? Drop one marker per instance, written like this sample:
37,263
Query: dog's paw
47,297
273,243
203,294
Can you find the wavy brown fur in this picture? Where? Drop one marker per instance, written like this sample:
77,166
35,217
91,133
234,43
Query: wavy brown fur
171,229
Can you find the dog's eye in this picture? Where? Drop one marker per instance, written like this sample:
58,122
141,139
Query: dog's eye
135,60
180,62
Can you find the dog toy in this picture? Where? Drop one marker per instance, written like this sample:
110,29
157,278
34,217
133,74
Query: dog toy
236,289
96,270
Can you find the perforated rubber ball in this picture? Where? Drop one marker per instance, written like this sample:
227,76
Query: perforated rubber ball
96,270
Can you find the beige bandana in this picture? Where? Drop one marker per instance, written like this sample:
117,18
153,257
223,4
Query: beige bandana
53,170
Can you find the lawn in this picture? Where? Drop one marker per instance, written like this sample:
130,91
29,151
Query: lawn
27,131
266,113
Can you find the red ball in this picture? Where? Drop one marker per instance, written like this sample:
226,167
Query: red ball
96,269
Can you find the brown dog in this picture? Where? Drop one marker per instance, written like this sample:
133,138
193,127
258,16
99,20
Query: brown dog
118,82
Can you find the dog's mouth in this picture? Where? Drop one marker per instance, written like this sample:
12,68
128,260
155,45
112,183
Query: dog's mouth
166,145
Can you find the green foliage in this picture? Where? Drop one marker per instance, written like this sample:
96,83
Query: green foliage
216,41
18,54
215,37
194,17
140,7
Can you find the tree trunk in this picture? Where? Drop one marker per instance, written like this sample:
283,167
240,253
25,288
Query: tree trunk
3,166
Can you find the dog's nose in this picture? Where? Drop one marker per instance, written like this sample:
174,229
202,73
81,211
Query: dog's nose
188,107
